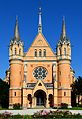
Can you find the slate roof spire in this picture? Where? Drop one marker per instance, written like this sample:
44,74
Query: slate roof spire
16,31
63,36
40,21
63,28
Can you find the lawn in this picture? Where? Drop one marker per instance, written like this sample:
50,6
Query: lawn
73,108
76,108
31,117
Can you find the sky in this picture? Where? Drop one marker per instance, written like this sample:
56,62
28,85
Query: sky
52,13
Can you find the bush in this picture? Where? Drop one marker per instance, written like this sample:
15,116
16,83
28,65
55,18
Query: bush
5,115
54,107
16,106
0,107
43,114
80,105
64,106
21,117
18,116
58,114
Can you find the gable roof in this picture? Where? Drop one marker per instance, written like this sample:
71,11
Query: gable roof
40,42
39,87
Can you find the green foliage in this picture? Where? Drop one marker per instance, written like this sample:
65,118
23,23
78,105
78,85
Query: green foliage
75,108
21,117
5,115
54,107
16,117
4,94
16,106
77,88
43,114
64,106
27,117
58,114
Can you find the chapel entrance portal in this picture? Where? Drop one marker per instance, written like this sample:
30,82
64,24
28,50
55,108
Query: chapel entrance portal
40,98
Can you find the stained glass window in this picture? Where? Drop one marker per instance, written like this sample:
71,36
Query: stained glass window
40,72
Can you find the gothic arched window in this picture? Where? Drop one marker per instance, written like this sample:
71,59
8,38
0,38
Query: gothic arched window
69,51
29,96
60,51
24,77
15,51
64,93
19,51
35,53
14,93
44,52
65,51
10,50
40,53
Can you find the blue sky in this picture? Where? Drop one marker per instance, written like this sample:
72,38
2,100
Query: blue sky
52,12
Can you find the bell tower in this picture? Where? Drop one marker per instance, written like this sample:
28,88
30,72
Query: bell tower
64,61
63,46
16,67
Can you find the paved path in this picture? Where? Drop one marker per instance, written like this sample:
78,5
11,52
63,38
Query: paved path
32,111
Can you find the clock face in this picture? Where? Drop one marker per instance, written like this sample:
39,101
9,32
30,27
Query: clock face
40,72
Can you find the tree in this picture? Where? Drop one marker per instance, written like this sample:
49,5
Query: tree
4,94
77,88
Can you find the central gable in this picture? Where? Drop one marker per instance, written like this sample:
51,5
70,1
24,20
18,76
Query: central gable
39,86
40,43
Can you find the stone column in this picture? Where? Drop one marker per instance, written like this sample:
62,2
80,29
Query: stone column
33,103
69,99
55,98
47,102
24,100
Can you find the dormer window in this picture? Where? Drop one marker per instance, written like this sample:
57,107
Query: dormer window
44,52
40,53
35,53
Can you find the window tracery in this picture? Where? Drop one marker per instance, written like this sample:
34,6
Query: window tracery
40,72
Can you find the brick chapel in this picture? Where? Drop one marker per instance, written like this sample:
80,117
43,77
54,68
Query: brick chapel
40,76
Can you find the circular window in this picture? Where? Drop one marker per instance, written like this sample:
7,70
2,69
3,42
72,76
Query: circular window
40,72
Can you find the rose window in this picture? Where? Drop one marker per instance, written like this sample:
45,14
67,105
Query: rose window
40,72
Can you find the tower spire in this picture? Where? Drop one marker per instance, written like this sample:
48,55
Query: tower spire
40,21
16,31
63,28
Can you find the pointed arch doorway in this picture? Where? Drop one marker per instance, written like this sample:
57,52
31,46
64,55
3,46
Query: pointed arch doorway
40,98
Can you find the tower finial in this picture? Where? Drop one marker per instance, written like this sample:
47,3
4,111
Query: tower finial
16,32
40,21
63,28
